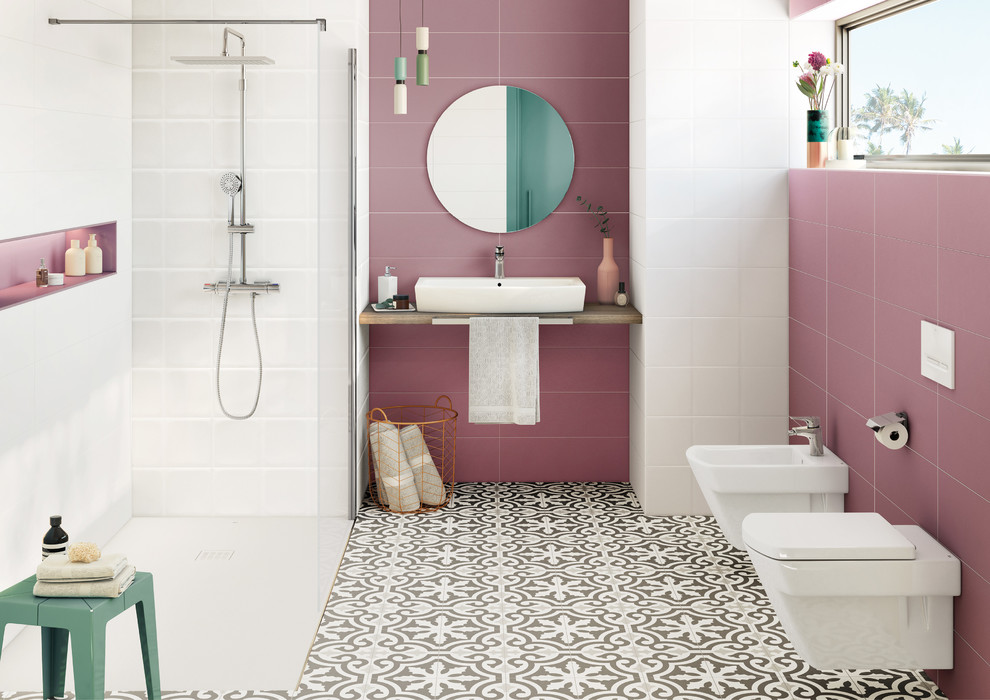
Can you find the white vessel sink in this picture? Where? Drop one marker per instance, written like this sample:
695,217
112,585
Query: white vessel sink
487,295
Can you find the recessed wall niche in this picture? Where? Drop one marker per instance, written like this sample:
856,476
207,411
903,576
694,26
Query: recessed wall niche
19,258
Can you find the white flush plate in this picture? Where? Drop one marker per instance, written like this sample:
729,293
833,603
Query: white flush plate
938,354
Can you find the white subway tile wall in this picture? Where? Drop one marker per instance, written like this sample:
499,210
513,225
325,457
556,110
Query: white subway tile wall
714,127
65,359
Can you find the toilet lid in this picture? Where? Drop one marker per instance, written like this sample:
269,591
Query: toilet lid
817,536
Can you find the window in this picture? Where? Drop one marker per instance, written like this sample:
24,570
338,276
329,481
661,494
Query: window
915,77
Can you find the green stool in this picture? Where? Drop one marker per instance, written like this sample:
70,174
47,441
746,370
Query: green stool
85,619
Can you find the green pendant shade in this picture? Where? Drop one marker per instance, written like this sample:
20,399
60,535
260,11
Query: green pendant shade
422,57
422,68
400,68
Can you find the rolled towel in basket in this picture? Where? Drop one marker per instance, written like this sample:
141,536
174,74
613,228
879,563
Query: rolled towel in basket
395,476
429,484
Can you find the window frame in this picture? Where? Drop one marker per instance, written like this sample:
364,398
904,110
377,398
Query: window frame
876,13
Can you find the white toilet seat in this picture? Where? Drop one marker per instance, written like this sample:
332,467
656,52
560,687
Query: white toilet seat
825,537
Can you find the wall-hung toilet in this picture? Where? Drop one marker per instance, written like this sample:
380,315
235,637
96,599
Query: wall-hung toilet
737,480
853,591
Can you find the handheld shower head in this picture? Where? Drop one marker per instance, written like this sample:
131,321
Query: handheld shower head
230,183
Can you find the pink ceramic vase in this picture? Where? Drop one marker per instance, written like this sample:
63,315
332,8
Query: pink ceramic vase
608,274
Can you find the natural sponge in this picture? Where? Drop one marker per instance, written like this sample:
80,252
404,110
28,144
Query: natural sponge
84,552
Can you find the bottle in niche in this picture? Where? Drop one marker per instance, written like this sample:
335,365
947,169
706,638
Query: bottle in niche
56,539
75,261
94,257
621,298
41,276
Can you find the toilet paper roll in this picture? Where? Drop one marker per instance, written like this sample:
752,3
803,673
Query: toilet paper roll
893,437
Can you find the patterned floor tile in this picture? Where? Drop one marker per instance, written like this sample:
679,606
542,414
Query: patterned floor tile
553,591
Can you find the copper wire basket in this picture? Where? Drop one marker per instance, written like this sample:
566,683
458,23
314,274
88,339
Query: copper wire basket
411,456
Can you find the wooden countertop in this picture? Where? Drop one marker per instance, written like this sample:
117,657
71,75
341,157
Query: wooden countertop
593,314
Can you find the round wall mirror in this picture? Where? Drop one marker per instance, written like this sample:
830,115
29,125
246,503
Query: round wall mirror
500,159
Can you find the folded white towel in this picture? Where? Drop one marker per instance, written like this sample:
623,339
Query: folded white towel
57,567
429,484
395,476
504,370
109,588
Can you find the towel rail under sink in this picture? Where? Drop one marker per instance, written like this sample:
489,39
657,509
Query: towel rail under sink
466,321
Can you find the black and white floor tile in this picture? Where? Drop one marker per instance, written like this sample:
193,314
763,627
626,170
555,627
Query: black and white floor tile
554,592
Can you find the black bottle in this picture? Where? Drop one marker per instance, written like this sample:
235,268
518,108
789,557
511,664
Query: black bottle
55,540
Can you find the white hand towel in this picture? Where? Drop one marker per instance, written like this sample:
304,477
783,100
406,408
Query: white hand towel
504,370
57,567
72,588
428,481
395,475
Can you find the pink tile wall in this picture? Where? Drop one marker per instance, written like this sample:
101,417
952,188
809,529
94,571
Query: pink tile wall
872,255
575,54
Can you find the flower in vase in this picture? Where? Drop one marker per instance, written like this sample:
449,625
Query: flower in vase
814,77
817,60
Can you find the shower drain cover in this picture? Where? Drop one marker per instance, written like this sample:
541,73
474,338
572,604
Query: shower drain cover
215,555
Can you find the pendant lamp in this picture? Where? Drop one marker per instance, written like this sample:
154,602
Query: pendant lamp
422,48
399,103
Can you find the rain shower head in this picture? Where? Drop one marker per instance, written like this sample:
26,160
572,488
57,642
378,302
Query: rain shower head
224,60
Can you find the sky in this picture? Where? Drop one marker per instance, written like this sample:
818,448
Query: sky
938,49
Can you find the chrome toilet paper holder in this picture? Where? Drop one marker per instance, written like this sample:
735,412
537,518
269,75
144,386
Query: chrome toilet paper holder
890,429
877,423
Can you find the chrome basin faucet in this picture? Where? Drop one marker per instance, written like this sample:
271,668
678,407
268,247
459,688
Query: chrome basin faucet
499,264
811,430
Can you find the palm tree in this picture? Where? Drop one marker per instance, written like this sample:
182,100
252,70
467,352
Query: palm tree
910,117
874,149
879,114
955,148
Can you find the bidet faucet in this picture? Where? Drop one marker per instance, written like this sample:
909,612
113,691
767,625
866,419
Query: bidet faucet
812,430
499,262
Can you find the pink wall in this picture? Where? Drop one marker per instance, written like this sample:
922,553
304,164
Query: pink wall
575,54
799,7
872,254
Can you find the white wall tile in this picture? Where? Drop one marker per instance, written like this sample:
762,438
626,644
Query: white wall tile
188,393
718,193
764,391
666,438
716,242
668,391
763,291
670,45
149,492
765,43
672,94
718,44
190,443
188,492
147,445
715,430
670,193
715,342
292,492
763,342
715,292
715,391
764,430
670,143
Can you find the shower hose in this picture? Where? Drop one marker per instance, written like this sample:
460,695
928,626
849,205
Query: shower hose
223,323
